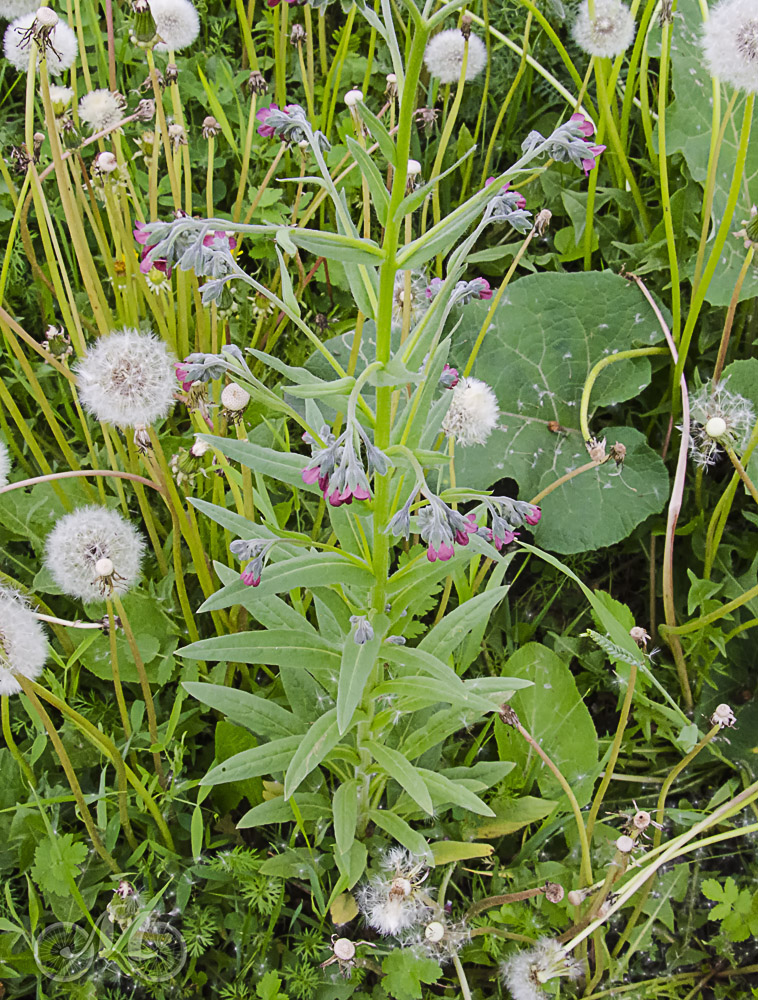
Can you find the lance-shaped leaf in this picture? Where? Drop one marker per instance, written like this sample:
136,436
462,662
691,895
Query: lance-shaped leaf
337,246
272,646
405,774
355,669
270,758
322,737
261,715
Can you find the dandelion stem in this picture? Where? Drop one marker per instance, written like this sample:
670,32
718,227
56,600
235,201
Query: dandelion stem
53,476
638,352
729,322
11,743
465,991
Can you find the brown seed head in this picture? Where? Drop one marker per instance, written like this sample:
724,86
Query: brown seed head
508,716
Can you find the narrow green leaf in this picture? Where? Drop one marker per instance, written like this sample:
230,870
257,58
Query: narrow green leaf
405,774
271,646
336,246
448,633
322,737
258,714
345,806
218,112
270,758
197,828
380,133
379,194
399,830
279,810
281,465
412,201
355,669
444,790
446,851
288,295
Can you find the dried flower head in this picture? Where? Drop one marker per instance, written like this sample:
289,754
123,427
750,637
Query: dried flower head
730,43
127,379
717,416
211,127
640,635
60,98
444,56
749,232
23,646
526,972
723,717
5,464
390,903
102,109
105,163
473,412
234,399
61,47
608,33
177,23
93,551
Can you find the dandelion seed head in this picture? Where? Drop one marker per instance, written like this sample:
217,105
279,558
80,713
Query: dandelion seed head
419,300
5,464
527,971
177,22
60,52
92,545
473,412
23,645
730,43
609,33
127,379
387,909
444,56
716,415
102,109
11,9
60,97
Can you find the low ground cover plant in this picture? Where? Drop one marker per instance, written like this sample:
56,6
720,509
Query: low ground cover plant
377,500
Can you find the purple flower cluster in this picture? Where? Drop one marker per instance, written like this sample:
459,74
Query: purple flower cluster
463,292
338,467
505,516
570,143
257,551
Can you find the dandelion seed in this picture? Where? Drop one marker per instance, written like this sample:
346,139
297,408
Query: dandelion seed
61,47
473,412
177,23
392,905
127,379
11,9
5,464
730,44
23,645
102,109
93,551
608,33
444,56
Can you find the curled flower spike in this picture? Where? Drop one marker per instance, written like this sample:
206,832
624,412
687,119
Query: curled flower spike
505,189
363,630
509,206
291,125
506,516
338,468
569,143
257,551
449,377
442,528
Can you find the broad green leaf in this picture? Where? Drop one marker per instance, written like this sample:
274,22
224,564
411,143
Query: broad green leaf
322,570
688,131
555,715
444,791
56,863
345,806
546,335
355,669
404,972
272,646
399,830
514,814
279,810
261,715
270,758
444,852
229,740
405,774
445,637
322,737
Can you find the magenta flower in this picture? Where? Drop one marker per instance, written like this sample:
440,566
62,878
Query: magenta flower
590,162
181,373
220,239
265,130
521,203
251,575
442,552
139,233
584,125
485,290
534,515
449,377
498,541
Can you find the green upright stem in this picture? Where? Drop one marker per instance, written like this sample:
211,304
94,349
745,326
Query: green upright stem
615,748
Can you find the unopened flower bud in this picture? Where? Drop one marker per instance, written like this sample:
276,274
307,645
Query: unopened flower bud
723,716
256,83
716,427
145,110
143,27
70,134
508,716
172,73
297,35
575,897
466,25
105,163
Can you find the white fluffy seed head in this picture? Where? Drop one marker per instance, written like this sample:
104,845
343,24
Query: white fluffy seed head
23,646
388,911
46,17
711,407
444,56
177,23
609,33
105,163
473,412
102,109
60,98
127,379
730,43
10,9
60,53
80,545
5,464
234,397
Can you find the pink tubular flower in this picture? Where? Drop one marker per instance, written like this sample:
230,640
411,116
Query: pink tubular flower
449,377
265,130
461,536
220,237
139,233
584,125
486,291
181,374
498,542
251,575
145,265
444,552
533,517
310,476
591,161
521,203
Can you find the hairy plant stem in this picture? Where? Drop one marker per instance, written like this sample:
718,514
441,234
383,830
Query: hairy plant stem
503,900
29,690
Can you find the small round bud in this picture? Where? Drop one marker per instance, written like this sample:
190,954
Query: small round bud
575,897
625,844
104,567
106,163
554,893
434,932
353,97
716,427
641,820
723,716
344,949
234,397
391,78
414,168
46,18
